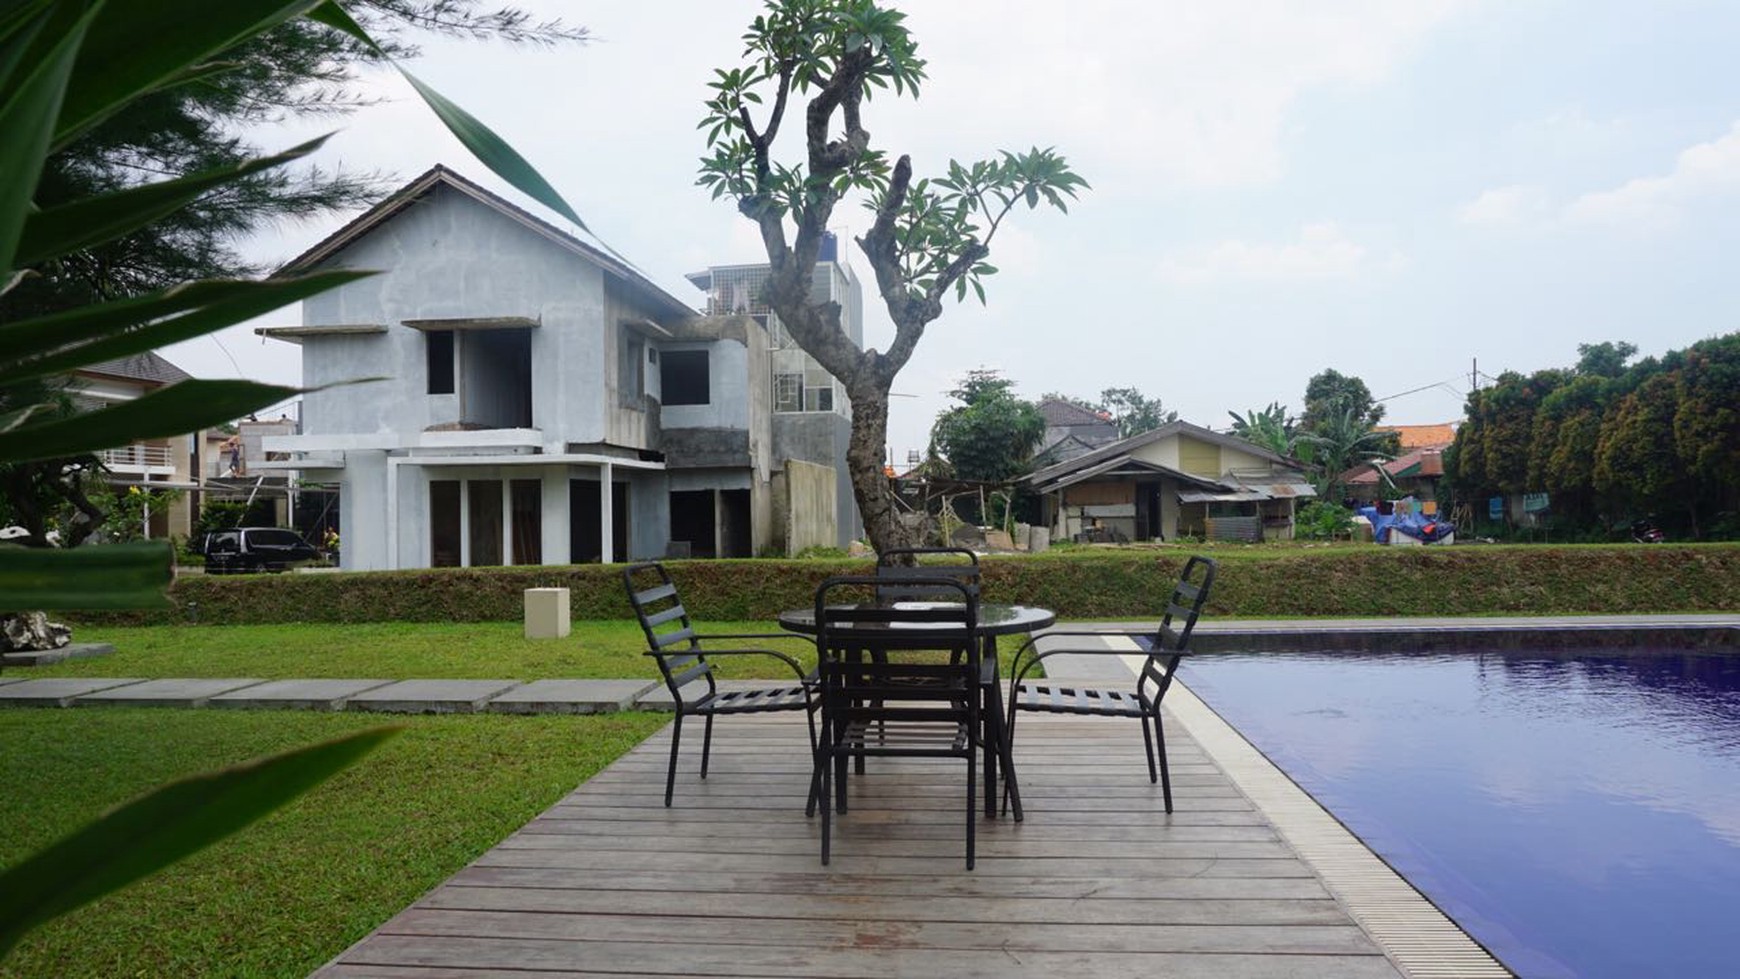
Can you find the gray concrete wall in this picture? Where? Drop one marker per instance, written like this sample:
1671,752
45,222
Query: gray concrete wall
810,516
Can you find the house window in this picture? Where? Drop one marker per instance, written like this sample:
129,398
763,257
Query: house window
788,392
683,377
483,506
444,523
631,371
439,345
527,497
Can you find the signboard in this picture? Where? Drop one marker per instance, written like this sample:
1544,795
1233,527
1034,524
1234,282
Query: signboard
1534,502
1495,508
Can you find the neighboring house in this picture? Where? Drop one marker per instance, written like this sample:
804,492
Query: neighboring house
540,401
1178,480
158,464
1071,431
812,417
1417,471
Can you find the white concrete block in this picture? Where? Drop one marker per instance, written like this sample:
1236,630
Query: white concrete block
547,613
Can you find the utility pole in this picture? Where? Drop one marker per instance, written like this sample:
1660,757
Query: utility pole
1473,373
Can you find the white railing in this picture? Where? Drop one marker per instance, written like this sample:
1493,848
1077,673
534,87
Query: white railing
138,456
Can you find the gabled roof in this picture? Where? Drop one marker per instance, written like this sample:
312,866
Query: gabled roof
1422,436
440,176
1123,447
148,367
1420,462
1059,413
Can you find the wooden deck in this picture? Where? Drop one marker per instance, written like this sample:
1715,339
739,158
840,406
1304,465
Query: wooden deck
1098,881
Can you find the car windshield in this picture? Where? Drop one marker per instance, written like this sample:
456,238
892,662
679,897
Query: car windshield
274,538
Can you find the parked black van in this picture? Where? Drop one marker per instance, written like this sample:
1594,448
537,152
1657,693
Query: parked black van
249,550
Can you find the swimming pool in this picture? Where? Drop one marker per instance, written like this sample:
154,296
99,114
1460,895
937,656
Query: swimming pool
1577,812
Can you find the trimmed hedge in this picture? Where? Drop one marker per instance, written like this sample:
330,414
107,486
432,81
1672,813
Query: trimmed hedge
1101,583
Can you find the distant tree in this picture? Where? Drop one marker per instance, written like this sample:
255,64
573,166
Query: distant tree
1133,412
1637,466
1603,359
1706,422
1330,393
991,434
1343,441
1270,428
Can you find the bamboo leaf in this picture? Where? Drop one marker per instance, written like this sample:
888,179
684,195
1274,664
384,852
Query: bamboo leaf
174,410
138,46
161,827
27,117
91,220
232,303
112,576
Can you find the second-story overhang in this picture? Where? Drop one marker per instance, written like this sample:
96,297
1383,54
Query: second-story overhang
480,447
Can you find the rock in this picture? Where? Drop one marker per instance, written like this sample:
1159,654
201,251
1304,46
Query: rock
999,540
967,536
31,632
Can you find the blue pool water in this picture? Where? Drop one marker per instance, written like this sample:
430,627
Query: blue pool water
1577,812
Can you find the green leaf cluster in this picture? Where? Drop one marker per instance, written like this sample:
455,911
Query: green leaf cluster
65,67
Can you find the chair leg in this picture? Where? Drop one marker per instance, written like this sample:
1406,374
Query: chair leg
1009,764
816,794
972,809
706,744
1165,775
671,771
824,771
1148,745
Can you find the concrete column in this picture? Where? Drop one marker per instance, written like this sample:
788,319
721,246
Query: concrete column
507,522
606,514
465,523
556,517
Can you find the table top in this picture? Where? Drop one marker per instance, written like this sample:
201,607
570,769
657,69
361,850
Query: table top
994,620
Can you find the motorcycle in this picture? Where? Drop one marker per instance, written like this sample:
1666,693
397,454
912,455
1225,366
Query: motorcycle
1646,532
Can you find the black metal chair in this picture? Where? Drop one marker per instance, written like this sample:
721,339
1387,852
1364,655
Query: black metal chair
1165,647
886,690
909,562
684,662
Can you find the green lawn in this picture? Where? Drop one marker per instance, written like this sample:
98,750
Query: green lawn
480,650
290,892
404,650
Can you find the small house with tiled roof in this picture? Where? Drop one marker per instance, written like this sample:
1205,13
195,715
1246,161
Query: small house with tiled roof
160,463
1178,480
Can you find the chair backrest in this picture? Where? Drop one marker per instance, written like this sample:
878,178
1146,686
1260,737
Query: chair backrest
957,565
856,629
669,633
1183,607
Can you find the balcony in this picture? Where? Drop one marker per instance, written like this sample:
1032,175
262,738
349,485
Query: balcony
139,459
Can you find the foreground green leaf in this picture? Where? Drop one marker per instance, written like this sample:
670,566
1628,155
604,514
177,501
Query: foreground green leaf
156,830
114,576
176,410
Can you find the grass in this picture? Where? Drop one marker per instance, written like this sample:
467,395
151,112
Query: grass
388,650
405,650
284,896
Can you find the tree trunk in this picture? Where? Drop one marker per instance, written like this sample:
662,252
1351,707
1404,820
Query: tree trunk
864,461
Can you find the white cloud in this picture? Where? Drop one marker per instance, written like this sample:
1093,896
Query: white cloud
1322,252
1705,170
1511,206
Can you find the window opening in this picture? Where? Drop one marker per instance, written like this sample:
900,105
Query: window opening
683,378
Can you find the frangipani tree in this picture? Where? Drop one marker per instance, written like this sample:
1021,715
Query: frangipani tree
929,239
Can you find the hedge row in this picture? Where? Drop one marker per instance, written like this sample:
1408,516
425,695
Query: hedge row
1373,581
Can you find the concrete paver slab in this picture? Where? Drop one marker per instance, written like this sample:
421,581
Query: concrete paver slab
658,697
570,697
163,693
431,696
57,691
297,694
47,657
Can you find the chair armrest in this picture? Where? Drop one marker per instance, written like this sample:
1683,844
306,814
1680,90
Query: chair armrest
1028,656
756,635
797,668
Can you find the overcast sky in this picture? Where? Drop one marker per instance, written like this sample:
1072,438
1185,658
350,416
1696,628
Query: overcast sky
1393,188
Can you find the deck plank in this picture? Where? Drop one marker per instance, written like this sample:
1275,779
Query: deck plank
1098,880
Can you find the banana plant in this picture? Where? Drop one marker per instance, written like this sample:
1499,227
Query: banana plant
65,66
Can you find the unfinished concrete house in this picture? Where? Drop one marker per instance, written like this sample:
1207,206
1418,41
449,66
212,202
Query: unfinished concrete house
538,401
